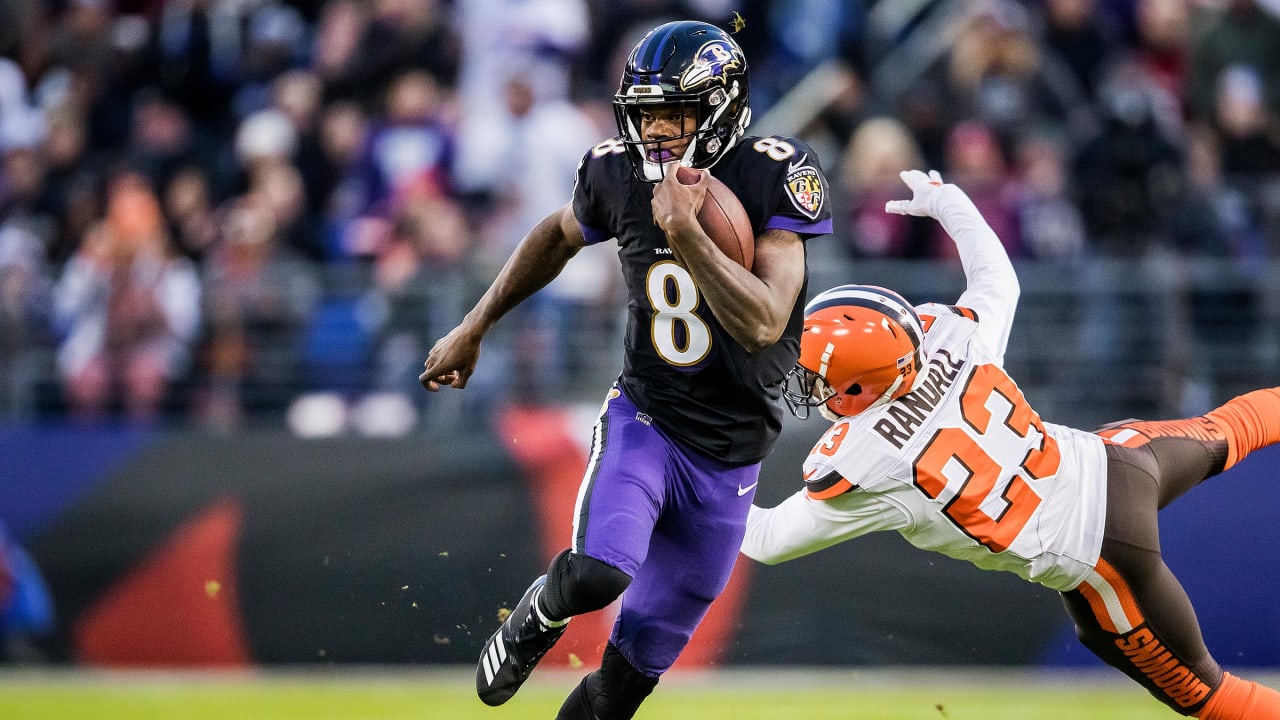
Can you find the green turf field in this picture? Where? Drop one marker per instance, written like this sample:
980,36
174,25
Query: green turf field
784,694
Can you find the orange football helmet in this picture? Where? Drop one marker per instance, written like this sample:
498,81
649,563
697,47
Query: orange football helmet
860,348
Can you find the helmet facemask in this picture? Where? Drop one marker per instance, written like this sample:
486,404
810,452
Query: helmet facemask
804,389
860,349
710,139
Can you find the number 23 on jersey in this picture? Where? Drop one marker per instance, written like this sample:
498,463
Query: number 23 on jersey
962,455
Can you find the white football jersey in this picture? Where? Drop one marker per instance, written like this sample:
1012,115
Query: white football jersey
962,465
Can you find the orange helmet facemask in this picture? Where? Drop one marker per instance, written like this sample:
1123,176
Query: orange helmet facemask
860,348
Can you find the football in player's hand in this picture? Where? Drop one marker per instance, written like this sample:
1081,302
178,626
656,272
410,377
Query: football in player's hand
723,218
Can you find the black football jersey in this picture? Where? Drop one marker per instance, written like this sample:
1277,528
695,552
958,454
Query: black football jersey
681,368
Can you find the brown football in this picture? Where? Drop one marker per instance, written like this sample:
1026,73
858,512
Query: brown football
723,219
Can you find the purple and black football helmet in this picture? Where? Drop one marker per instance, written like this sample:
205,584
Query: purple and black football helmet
698,66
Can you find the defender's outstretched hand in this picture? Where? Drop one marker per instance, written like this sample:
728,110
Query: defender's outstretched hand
923,188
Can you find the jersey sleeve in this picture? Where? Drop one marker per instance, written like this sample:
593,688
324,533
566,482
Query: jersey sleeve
930,312
589,205
991,285
835,504
801,525
796,185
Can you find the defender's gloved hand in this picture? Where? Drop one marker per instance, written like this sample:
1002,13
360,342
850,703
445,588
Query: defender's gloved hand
924,189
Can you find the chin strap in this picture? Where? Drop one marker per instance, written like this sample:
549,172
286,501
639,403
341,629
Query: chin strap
887,395
916,383
885,398
921,375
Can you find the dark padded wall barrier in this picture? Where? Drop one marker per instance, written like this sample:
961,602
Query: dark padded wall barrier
349,551
269,549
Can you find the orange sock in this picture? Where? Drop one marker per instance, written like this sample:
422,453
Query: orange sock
1248,421
1238,699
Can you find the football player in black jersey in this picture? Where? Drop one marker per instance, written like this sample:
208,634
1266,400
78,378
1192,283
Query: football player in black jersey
677,449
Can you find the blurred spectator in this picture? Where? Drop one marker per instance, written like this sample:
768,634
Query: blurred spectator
879,149
1163,38
22,178
836,118
1082,34
1129,172
976,162
542,38
362,47
189,209
1216,225
27,227
127,308
267,144
198,53
298,95
22,124
24,319
549,135
264,139
997,73
1211,218
285,194
162,139
1250,146
333,171
276,42
258,294
412,144
418,282
1241,33
70,192
105,113
1050,224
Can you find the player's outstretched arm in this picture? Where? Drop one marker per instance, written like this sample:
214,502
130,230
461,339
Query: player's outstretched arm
801,525
536,261
790,530
992,285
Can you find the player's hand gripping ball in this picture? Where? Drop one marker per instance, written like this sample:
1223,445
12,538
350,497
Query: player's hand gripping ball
723,218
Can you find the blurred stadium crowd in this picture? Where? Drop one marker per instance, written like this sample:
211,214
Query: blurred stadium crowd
212,208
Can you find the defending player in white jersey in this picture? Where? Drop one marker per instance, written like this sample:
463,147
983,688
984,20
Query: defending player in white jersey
933,439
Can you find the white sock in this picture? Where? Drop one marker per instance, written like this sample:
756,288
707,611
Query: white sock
542,617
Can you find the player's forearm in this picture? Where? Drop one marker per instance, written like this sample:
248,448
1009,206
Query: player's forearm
987,269
761,542
536,261
753,307
744,306
790,530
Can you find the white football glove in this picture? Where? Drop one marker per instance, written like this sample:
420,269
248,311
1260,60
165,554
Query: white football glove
923,191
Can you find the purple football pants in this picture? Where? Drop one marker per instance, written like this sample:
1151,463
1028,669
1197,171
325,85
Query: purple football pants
667,516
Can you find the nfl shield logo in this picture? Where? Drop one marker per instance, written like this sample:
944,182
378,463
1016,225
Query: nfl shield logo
804,187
